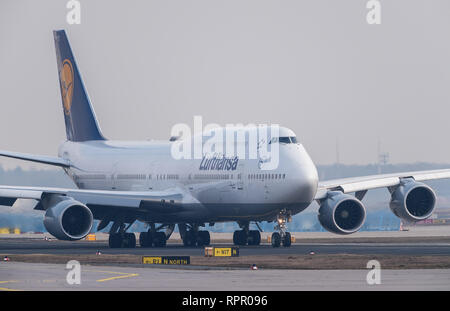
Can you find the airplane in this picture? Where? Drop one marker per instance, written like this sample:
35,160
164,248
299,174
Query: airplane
121,182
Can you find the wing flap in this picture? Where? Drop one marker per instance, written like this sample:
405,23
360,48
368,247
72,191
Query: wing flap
6,193
56,161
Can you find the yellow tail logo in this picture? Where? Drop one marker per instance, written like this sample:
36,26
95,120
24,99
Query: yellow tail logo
66,76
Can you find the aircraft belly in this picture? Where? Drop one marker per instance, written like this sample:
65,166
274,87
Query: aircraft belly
218,212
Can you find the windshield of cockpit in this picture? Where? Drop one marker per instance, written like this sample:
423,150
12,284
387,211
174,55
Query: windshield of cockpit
284,140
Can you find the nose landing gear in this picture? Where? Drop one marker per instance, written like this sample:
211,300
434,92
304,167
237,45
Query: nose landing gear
282,236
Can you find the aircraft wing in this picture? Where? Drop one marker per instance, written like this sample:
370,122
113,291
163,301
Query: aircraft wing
56,161
102,202
357,184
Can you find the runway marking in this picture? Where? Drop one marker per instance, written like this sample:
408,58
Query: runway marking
118,277
12,281
122,275
8,289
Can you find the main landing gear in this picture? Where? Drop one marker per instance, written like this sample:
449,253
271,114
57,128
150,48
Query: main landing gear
119,238
155,238
282,236
245,236
193,237
122,240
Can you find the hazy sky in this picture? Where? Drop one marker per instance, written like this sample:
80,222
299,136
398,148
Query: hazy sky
314,66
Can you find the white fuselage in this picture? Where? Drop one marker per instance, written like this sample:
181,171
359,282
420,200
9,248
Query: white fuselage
245,191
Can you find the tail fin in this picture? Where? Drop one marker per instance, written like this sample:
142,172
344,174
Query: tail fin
81,123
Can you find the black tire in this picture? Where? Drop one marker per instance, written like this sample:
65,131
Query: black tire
115,240
244,237
236,238
145,239
186,240
163,239
240,238
190,239
287,239
150,239
276,239
129,240
203,238
254,237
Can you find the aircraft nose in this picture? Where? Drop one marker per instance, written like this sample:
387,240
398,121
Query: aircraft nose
308,179
306,176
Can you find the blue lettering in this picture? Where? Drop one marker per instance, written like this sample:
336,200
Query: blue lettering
220,163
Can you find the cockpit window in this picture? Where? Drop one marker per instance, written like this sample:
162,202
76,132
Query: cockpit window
285,140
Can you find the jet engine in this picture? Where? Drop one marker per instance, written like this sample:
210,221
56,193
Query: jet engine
412,201
67,219
341,213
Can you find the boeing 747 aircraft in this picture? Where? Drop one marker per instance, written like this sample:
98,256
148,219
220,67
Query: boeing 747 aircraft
120,183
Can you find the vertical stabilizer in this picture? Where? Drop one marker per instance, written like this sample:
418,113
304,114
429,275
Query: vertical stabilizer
81,123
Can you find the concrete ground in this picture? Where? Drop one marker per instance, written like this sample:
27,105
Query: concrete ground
418,248
32,276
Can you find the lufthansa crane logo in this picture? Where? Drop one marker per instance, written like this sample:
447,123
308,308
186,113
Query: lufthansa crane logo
67,85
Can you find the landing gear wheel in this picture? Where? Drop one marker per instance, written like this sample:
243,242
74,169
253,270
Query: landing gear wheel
143,239
115,240
254,237
235,238
240,237
203,238
276,239
128,240
190,239
287,239
146,239
159,239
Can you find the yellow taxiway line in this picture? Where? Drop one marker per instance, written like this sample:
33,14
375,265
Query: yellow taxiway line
8,289
118,277
121,275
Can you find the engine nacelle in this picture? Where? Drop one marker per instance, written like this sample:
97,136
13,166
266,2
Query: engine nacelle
341,213
412,201
68,219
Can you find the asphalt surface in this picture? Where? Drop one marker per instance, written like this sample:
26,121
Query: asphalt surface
39,246
44,276
28,276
